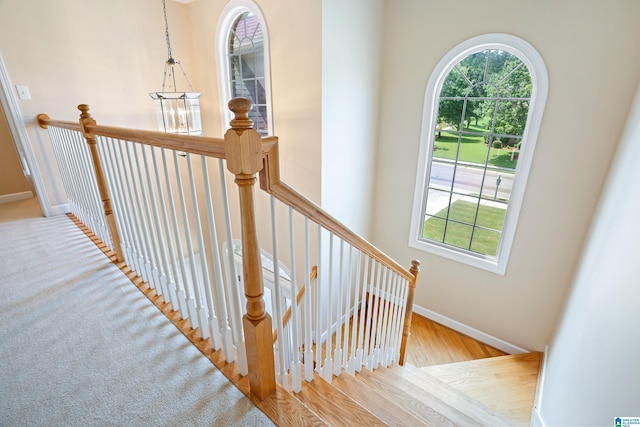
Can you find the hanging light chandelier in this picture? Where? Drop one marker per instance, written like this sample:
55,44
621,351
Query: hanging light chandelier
177,112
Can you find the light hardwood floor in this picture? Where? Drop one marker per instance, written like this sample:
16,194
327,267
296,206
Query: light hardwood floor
505,383
22,209
431,344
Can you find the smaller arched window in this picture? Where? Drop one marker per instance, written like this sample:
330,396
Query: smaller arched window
482,110
243,60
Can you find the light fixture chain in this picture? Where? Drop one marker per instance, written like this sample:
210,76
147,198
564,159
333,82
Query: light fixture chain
166,28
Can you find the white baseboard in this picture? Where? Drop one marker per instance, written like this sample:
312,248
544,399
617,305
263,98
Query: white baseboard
60,209
14,197
469,331
536,418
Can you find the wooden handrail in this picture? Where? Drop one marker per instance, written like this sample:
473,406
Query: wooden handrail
44,121
287,315
207,146
271,183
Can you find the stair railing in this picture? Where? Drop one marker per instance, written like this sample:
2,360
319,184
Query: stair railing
161,219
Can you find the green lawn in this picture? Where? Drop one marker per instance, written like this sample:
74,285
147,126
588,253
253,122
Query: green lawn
459,233
472,149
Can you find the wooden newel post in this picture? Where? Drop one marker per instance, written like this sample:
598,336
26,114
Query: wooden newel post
415,270
87,120
243,147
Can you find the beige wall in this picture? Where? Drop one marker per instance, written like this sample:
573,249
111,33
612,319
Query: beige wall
12,179
295,45
106,53
350,102
590,50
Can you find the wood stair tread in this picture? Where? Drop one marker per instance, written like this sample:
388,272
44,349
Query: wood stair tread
333,406
426,407
387,410
419,383
499,362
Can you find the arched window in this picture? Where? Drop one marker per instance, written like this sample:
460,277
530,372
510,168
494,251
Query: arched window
243,60
482,111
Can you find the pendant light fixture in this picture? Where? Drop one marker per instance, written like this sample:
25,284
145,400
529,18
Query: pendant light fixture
177,112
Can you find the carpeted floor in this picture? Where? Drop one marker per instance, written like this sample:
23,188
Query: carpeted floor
81,346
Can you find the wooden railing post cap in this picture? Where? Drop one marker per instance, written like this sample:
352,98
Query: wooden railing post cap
42,120
415,266
240,108
84,111
85,121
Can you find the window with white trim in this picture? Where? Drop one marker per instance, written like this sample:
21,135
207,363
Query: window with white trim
482,111
243,60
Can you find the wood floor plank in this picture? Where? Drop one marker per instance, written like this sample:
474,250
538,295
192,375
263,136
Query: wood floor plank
426,347
431,344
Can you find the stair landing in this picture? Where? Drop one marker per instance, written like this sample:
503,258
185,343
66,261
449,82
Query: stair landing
506,384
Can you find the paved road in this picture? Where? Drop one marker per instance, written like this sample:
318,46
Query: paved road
469,180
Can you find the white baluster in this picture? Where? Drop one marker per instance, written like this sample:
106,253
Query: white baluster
296,367
278,308
351,363
157,236
166,241
337,353
178,259
147,223
361,354
327,369
233,289
224,336
307,300
194,302
318,304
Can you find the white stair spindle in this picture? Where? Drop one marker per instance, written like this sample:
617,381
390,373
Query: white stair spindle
178,258
337,353
233,289
149,229
191,287
224,329
307,299
162,261
328,362
166,238
208,319
296,367
278,311
356,314
318,303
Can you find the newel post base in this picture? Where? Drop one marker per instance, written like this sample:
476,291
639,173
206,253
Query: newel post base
259,344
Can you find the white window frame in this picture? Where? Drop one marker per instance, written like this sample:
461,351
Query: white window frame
229,14
540,83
